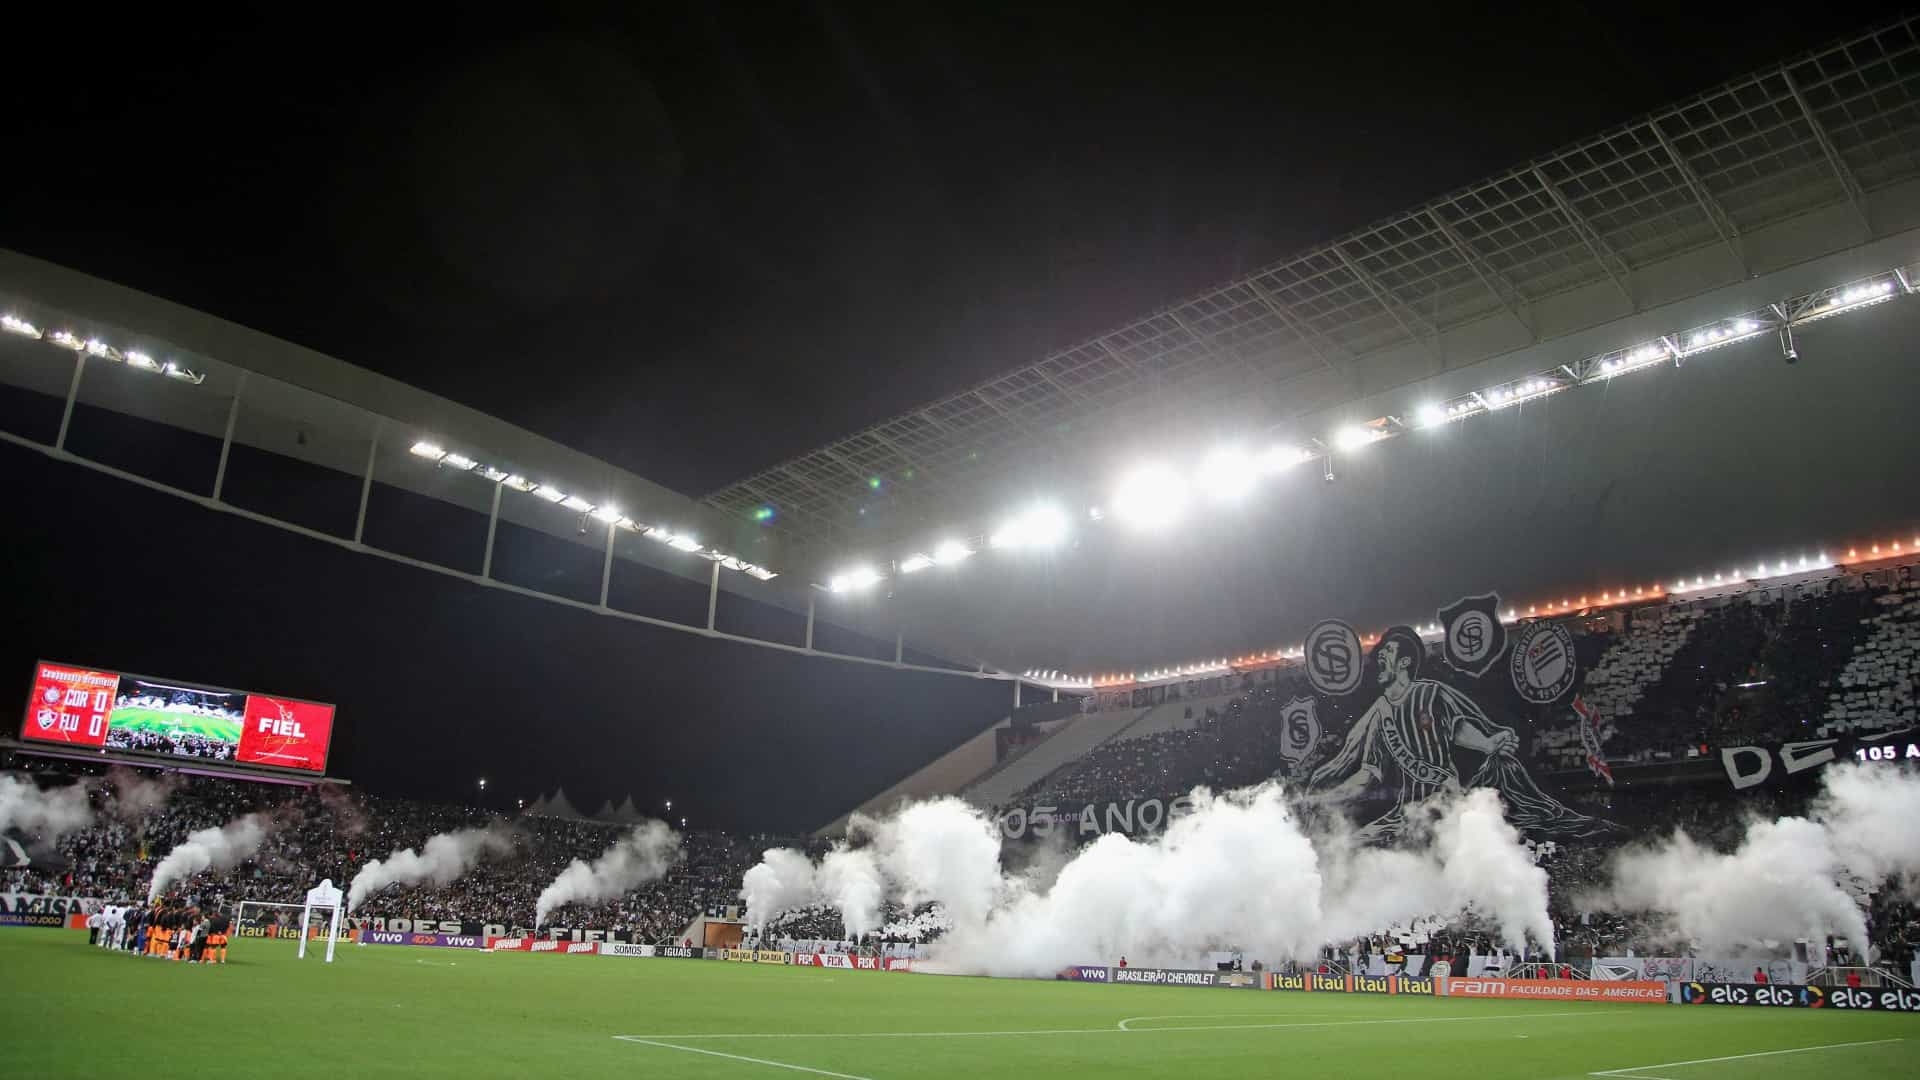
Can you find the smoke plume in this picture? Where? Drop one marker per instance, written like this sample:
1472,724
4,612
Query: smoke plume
135,796
782,881
1237,873
644,855
1786,880
43,814
209,849
442,860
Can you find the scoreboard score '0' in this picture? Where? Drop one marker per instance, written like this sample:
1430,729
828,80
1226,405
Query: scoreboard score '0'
136,714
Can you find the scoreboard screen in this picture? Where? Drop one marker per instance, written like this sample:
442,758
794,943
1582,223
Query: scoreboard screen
109,710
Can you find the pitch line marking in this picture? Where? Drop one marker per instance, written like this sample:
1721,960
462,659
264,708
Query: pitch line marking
1102,1030
1201,1016
1631,1071
741,1057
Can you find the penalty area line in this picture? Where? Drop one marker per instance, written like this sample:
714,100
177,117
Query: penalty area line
740,1057
1636,1072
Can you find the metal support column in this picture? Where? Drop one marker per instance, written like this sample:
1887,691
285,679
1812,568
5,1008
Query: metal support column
606,567
1056,695
493,522
713,595
809,644
899,646
226,440
366,485
73,394
1016,693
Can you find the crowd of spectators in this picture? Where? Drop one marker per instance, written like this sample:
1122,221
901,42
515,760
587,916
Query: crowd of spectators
323,832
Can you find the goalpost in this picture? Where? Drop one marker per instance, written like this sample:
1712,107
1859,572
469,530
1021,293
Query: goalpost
304,920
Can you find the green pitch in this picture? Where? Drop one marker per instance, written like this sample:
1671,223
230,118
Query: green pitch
162,722
394,1011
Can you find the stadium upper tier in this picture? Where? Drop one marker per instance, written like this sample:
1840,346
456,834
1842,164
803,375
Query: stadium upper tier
1575,363
1797,160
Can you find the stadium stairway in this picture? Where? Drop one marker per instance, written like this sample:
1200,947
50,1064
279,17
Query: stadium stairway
1066,745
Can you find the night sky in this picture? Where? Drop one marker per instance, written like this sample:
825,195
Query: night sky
695,243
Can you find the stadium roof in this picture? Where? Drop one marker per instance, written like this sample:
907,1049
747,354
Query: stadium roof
1671,205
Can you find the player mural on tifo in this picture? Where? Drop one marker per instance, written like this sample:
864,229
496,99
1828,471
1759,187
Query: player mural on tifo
1407,739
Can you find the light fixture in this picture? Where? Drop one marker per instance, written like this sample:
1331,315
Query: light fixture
950,552
609,514
13,324
518,482
1354,436
66,340
493,474
1038,527
1430,415
459,461
576,504
1227,474
1281,458
913,564
427,450
684,542
860,577
1150,497
134,359
550,493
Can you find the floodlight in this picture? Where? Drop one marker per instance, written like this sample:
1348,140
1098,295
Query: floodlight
684,542
1150,497
1041,527
576,503
1353,437
134,359
66,340
459,461
913,564
1227,474
15,325
1430,415
495,475
1286,457
551,494
860,577
950,552
427,450
518,482
609,514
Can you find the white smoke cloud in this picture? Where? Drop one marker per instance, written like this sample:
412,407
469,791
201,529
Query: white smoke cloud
643,855
135,796
1239,872
209,849
442,860
1872,812
1787,880
43,815
782,881
849,879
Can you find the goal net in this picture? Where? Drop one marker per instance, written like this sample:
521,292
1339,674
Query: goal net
278,919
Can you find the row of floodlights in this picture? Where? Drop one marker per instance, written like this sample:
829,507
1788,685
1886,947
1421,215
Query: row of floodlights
606,512
1152,497
67,339
1681,587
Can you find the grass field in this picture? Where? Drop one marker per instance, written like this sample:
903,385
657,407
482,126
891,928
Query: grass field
161,722
396,1011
